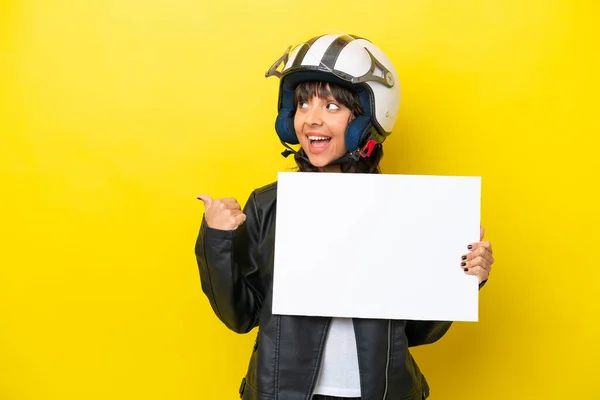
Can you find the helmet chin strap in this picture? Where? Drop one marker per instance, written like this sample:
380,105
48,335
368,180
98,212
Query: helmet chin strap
346,158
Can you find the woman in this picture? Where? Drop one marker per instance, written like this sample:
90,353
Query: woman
339,99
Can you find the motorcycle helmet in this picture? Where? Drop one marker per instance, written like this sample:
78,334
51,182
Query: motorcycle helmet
351,62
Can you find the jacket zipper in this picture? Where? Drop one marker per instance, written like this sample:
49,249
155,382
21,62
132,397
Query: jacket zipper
387,365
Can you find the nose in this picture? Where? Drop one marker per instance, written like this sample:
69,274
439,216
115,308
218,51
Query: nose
314,116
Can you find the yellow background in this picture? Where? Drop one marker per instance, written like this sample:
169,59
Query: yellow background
115,114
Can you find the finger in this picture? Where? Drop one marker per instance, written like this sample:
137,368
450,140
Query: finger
488,257
240,219
234,218
477,262
225,205
485,243
481,273
228,200
206,199
478,252
232,206
232,213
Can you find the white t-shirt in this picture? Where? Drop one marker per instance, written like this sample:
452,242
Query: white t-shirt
339,369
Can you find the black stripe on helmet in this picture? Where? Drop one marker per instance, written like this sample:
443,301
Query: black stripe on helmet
302,52
334,50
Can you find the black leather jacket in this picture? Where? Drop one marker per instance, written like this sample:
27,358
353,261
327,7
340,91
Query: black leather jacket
236,271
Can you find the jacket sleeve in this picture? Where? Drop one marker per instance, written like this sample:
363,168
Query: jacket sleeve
229,270
427,332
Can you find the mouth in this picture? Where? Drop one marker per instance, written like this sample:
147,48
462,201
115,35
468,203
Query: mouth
318,142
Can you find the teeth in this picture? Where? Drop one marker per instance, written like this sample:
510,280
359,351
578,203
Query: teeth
318,138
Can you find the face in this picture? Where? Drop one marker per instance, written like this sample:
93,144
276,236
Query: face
320,125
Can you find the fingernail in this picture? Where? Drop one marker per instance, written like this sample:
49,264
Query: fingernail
464,257
470,246
462,264
466,269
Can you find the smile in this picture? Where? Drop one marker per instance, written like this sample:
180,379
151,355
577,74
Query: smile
318,143
314,139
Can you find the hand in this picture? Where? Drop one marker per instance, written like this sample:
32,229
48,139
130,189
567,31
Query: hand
479,261
224,214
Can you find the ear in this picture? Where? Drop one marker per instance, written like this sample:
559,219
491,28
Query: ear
356,131
284,126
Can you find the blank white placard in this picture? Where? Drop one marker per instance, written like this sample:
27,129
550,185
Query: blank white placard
375,246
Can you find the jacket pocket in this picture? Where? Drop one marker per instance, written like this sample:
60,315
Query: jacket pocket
251,377
242,388
248,392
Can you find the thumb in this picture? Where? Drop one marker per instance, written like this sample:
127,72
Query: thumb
481,232
206,199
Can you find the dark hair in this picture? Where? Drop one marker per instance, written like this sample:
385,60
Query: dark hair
307,90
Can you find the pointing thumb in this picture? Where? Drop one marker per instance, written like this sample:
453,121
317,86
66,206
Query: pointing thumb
206,199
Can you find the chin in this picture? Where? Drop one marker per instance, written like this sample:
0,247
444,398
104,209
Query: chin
322,159
319,161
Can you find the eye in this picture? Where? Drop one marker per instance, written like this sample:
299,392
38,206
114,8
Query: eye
333,106
303,104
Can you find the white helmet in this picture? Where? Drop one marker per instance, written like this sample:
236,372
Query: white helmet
351,62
